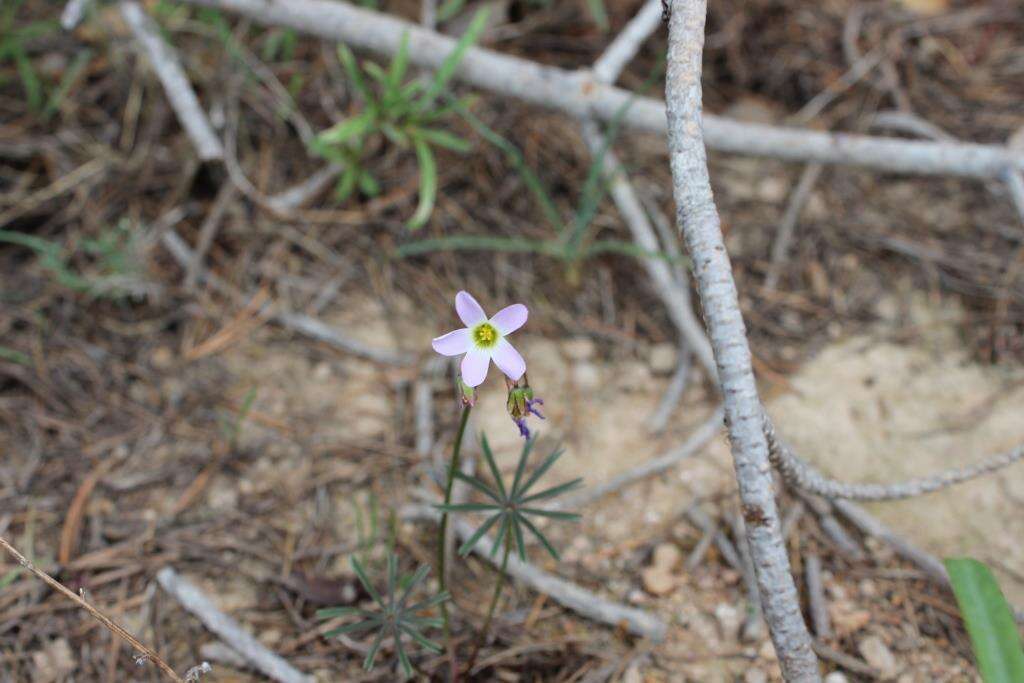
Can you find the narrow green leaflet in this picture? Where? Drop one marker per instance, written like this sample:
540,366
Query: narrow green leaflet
990,623
428,184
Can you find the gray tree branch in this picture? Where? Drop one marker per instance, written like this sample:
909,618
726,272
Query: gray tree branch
582,95
697,218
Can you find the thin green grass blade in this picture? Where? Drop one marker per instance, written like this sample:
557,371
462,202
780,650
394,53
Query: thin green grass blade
428,184
451,62
515,158
514,245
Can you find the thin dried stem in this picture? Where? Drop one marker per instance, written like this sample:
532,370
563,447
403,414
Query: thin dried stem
179,91
147,653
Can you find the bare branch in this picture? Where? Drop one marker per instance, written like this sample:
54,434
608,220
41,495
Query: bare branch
228,630
816,597
698,220
673,393
803,476
179,91
1015,184
629,41
787,225
73,14
580,94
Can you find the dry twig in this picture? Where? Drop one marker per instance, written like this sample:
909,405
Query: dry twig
147,653
179,91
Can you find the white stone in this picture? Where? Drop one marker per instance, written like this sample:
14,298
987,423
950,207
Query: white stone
663,358
877,654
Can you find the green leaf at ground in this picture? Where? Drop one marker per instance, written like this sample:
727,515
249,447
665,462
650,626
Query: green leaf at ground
989,621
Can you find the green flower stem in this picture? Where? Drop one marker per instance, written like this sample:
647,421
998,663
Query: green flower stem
494,603
442,533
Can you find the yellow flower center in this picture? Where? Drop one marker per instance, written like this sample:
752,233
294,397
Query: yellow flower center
485,336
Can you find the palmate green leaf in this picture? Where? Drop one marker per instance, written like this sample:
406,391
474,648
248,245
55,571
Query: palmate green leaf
420,638
371,654
540,471
466,507
989,620
492,465
428,184
354,627
478,485
518,531
332,612
467,547
524,456
553,491
553,514
541,537
365,580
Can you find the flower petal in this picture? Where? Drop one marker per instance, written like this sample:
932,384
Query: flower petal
474,367
508,360
468,309
453,343
510,318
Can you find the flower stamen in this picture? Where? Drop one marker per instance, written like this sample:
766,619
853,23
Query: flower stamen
485,336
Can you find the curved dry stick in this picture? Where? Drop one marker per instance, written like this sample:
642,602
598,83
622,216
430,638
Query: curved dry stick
803,476
698,219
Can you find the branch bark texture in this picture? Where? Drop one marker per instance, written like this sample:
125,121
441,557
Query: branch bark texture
698,220
581,94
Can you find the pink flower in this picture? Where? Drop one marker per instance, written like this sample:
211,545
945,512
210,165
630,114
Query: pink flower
483,340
